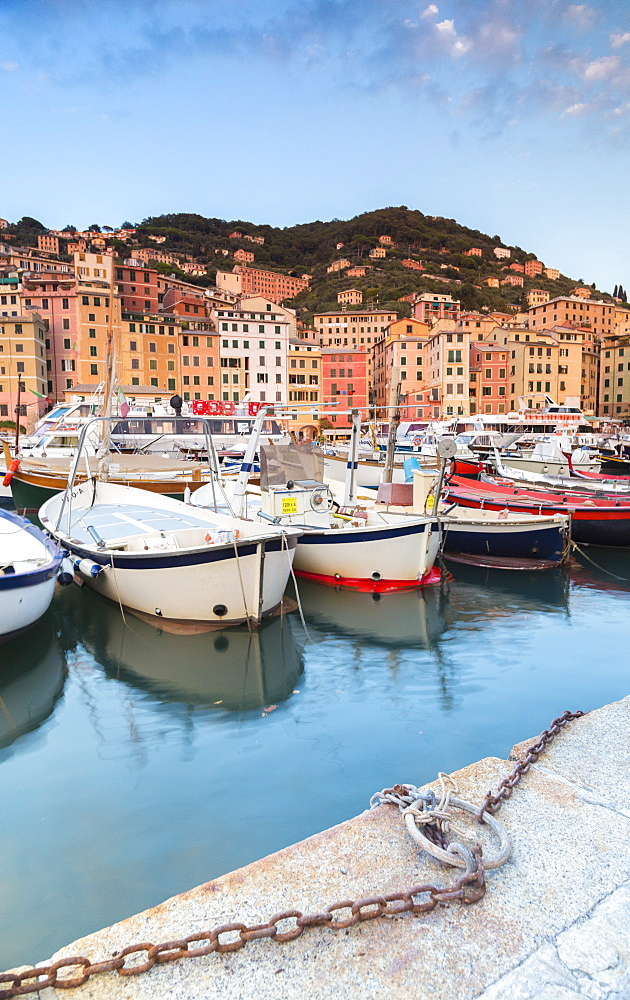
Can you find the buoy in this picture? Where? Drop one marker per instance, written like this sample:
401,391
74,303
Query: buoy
15,465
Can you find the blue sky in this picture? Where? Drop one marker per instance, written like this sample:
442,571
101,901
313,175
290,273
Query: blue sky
510,116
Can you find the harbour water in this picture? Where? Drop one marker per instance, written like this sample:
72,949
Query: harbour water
135,764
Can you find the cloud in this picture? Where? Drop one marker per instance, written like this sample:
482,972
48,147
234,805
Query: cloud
580,16
602,68
494,61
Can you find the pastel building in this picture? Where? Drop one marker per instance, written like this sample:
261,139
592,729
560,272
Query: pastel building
596,315
432,306
351,296
137,288
54,298
48,244
354,328
272,284
488,377
338,265
448,370
345,378
533,267
404,348
253,353
22,361
614,393
149,353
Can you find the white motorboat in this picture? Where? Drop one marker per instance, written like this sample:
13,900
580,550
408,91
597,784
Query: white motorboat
548,456
167,560
29,565
341,545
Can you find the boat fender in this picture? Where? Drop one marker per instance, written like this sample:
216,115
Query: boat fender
15,465
64,579
87,567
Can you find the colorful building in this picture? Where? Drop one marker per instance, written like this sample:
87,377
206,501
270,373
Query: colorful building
22,363
488,377
345,382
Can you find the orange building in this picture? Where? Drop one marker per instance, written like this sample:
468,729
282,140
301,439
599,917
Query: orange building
22,360
534,267
273,285
149,351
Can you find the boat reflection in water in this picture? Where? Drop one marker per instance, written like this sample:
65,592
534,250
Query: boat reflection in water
31,681
411,618
232,669
479,589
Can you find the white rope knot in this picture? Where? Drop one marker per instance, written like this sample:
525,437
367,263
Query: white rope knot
438,815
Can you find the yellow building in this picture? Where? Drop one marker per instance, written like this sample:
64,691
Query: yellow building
549,362
352,328
403,347
614,393
149,353
351,296
595,314
22,360
304,361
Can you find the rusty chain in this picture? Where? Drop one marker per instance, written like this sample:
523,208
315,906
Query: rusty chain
468,889
493,802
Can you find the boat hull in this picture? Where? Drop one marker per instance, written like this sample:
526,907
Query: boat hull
511,543
245,580
397,557
592,522
30,491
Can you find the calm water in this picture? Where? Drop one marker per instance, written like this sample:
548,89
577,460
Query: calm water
135,764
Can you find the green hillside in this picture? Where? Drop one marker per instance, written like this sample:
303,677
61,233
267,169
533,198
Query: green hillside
437,243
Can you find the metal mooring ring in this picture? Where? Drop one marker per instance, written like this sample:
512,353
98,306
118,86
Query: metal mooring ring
446,857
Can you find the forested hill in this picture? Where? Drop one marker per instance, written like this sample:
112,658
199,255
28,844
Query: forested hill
435,245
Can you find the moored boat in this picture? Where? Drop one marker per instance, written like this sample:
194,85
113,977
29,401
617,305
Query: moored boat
594,520
29,565
168,560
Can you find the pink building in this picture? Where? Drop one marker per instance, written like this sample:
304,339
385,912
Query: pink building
54,297
244,256
513,279
488,377
431,306
473,252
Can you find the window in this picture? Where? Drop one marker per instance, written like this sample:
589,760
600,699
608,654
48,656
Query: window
85,300
91,317
135,363
93,369
93,350
66,344
152,347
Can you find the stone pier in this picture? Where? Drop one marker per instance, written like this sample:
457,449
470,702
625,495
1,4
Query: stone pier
553,925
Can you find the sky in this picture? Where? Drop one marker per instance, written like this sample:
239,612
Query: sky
509,116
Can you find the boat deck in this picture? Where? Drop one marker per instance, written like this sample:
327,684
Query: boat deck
110,522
